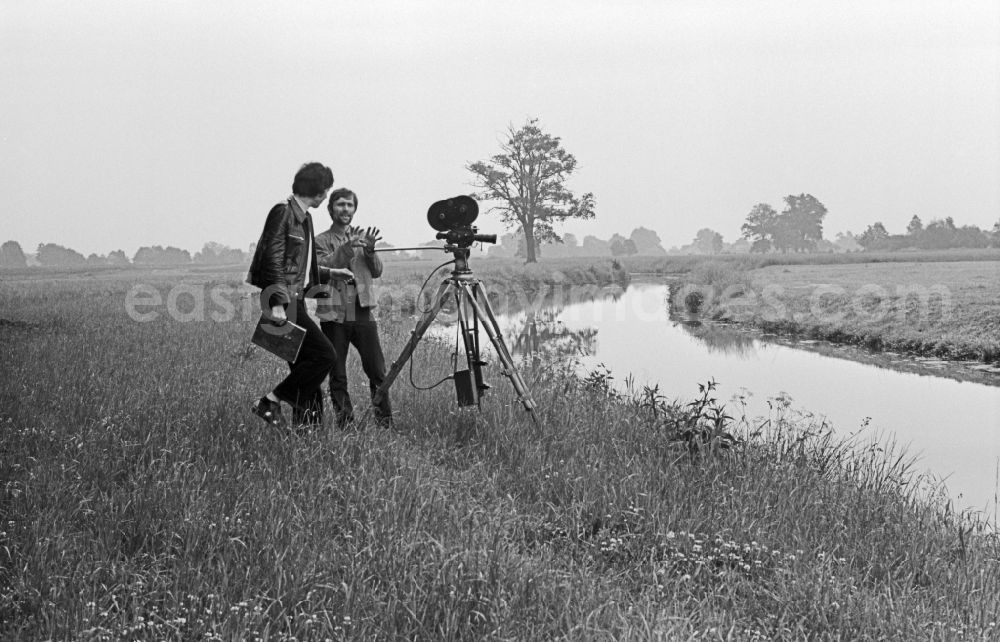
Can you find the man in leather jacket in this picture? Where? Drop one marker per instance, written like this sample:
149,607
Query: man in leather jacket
284,266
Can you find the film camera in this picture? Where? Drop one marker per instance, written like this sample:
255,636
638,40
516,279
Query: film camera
453,218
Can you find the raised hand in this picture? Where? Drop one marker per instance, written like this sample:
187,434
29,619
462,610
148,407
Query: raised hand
365,239
372,236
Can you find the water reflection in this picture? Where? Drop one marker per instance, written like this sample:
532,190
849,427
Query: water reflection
953,426
717,338
534,327
542,337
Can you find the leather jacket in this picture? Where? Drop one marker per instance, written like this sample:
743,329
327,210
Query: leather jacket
280,258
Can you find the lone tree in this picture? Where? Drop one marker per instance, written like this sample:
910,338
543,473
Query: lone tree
873,237
647,241
798,228
621,246
12,256
528,179
760,225
801,223
708,241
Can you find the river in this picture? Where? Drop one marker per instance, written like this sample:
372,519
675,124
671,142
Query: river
952,427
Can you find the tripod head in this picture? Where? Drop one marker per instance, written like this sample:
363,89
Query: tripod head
464,237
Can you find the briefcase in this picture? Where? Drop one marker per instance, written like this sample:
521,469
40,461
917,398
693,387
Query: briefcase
283,340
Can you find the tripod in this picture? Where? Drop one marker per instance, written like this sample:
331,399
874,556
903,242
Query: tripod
473,308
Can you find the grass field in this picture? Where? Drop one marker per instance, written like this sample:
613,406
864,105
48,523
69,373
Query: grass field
948,309
141,500
679,264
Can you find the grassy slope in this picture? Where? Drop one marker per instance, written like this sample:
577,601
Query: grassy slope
935,303
142,500
871,307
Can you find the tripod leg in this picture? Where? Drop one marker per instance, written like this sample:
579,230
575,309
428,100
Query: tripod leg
425,321
482,309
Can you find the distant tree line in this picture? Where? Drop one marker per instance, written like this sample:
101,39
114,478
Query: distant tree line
936,235
799,228
641,241
54,255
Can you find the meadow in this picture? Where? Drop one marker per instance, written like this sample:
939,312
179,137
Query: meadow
944,304
142,500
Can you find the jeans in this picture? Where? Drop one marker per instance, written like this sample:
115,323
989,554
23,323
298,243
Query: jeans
362,333
317,355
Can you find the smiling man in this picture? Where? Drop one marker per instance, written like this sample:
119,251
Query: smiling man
347,319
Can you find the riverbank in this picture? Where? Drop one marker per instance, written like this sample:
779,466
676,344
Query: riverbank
142,500
511,284
945,309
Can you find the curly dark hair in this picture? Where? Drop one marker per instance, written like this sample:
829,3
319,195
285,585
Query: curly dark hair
312,179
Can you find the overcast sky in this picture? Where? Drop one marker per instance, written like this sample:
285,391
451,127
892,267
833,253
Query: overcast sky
179,122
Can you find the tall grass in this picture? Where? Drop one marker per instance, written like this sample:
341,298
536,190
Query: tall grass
142,500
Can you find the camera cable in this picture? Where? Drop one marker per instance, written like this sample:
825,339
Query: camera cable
419,297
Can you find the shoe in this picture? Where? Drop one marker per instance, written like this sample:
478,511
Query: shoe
269,411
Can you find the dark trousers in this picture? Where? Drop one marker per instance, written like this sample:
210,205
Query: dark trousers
362,333
301,387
